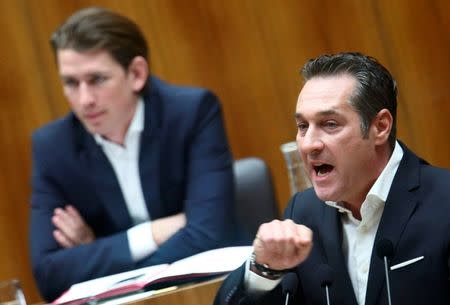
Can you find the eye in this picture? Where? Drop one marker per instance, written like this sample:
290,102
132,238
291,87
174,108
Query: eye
70,82
97,79
302,127
331,124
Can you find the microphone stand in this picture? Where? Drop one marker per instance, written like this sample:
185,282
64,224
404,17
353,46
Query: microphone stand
385,250
387,280
328,295
286,302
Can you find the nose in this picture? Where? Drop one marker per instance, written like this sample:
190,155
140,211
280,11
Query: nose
86,95
310,143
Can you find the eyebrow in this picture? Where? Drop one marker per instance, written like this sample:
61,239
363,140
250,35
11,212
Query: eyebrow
66,77
323,113
87,73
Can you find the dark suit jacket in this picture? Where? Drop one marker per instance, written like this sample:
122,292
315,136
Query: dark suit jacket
185,165
416,219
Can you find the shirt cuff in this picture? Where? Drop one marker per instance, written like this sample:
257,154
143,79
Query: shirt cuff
140,241
255,283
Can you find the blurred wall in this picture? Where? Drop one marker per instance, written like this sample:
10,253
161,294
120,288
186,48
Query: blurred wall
248,52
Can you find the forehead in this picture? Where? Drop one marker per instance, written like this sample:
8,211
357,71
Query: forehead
71,62
326,94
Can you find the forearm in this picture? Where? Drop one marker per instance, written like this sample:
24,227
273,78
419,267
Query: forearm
185,242
164,228
145,238
56,271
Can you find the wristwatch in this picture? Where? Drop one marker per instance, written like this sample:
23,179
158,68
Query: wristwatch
264,270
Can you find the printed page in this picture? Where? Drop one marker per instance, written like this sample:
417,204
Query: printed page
210,262
92,288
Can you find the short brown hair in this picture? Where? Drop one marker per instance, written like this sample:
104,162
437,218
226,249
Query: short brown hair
96,28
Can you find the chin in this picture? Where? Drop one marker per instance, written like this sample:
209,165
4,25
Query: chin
94,128
326,194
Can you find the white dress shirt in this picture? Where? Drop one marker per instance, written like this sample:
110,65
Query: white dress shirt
358,235
125,162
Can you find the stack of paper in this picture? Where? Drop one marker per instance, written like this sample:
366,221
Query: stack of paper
205,264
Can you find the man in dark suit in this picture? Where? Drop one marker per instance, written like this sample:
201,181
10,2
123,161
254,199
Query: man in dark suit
369,191
139,173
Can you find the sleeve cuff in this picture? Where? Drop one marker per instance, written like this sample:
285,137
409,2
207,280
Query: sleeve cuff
258,284
140,241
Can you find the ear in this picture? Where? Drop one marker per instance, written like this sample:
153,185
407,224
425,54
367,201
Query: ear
381,126
138,73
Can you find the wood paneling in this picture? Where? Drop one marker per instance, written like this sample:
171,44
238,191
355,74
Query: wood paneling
191,294
248,52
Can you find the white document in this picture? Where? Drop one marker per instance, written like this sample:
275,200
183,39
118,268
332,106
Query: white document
212,262
103,284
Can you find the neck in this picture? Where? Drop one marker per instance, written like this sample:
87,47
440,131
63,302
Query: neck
118,135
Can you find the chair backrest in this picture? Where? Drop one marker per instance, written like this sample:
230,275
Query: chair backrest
255,196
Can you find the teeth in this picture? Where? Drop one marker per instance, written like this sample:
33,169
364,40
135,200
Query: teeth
322,169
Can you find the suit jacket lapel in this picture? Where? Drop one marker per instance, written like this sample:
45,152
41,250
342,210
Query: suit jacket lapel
342,289
101,175
399,207
149,154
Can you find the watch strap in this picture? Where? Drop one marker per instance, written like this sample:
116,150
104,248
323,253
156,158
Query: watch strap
264,270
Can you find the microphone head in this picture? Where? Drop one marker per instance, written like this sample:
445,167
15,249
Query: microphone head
385,248
325,275
290,283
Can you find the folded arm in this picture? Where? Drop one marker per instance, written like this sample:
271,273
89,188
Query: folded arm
71,230
57,268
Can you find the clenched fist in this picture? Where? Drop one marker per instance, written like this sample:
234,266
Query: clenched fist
282,244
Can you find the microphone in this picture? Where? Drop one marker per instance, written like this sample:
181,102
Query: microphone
385,250
290,282
325,275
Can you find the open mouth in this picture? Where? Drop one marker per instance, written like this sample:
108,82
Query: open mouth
322,169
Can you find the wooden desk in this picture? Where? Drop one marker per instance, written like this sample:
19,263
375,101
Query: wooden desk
190,294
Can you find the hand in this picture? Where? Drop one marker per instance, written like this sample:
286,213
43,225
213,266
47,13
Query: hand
282,244
71,230
164,228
